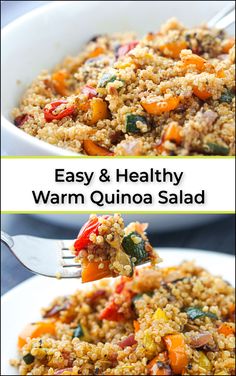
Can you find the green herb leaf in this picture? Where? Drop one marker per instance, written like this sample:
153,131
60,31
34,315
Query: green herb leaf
139,296
196,312
131,121
78,332
135,250
28,358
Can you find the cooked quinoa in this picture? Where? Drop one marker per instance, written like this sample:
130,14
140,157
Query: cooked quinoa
170,93
105,248
169,321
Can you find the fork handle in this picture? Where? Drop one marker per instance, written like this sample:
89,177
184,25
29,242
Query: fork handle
7,239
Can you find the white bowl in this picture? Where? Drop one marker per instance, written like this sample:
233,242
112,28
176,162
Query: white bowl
41,38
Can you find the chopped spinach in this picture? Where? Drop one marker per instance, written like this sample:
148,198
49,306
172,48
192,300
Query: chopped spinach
196,312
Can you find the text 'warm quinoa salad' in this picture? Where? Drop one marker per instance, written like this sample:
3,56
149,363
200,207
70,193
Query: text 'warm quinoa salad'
106,248
169,93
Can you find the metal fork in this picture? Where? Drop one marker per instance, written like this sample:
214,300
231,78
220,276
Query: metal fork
47,257
224,18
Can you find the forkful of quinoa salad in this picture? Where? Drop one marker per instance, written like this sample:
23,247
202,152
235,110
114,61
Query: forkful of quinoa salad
104,248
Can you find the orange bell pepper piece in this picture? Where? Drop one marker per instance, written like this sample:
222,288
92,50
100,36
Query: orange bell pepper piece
228,44
35,330
194,59
136,326
173,49
153,368
201,94
174,133
225,329
92,272
59,83
93,149
96,52
99,110
158,107
176,350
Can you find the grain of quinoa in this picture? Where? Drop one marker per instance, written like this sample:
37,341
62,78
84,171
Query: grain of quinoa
169,93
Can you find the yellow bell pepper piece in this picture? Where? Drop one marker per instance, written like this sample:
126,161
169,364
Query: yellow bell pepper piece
204,362
159,314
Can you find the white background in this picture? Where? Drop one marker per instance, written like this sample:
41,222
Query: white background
21,176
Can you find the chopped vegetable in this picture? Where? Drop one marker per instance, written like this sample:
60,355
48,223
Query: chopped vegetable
136,326
157,107
61,371
159,365
131,121
174,133
125,48
90,227
93,149
225,329
159,314
96,52
129,341
56,309
149,343
201,339
139,296
193,59
21,119
176,350
92,270
50,116
99,110
216,149
204,362
122,260
105,79
196,312
228,44
59,83
111,313
173,49
227,96
36,330
89,91
78,332
28,358
201,94
134,246
95,297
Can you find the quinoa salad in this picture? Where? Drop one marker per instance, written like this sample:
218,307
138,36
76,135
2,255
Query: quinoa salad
170,93
105,247
168,321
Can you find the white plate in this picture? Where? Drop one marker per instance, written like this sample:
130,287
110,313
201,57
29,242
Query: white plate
61,28
22,304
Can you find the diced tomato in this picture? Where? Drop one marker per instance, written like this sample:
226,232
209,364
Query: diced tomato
90,227
125,48
50,116
121,284
89,91
129,341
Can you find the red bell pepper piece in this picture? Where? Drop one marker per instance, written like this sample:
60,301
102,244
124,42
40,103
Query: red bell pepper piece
129,341
88,228
125,48
48,112
89,91
111,313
